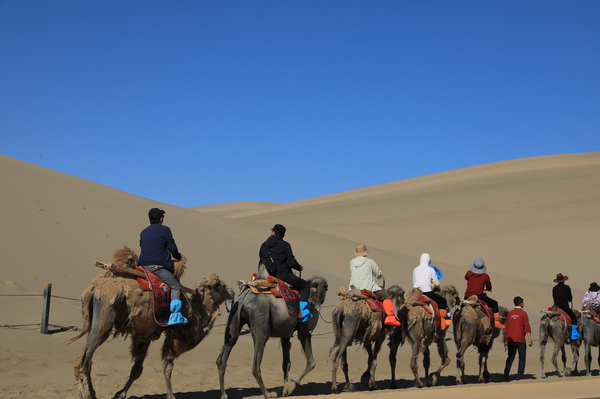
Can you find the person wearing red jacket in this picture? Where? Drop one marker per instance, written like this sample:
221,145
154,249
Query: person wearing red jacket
517,331
478,281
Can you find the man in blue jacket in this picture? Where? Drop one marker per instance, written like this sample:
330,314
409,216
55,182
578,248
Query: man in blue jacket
158,251
284,260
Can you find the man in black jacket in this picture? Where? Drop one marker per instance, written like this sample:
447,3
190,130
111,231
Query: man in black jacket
284,260
158,249
561,294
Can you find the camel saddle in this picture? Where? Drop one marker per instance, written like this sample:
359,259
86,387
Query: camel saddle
595,315
161,297
373,301
278,288
562,316
432,307
482,309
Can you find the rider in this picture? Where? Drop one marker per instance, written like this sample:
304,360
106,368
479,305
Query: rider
158,246
363,272
479,281
592,297
561,293
283,257
425,278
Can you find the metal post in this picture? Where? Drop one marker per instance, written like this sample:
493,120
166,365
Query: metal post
46,308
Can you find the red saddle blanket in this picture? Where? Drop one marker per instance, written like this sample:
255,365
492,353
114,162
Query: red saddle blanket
436,310
373,301
485,308
161,298
290,295
563,316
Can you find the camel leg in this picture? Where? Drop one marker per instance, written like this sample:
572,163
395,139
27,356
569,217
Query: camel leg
443,352
484,375
557,348
286,345
338,357
373,351
138,354
414,366
260,340
587,357
575,351
460,362
306,343
222,366
542,358
100,330
394,345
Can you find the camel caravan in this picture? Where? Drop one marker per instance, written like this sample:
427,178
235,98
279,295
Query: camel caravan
141,297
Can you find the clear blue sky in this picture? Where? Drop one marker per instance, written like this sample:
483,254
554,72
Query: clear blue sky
202,102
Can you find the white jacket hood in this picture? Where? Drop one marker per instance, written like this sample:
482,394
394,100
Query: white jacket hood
425,260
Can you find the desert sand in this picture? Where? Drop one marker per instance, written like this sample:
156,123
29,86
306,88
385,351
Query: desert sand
529,219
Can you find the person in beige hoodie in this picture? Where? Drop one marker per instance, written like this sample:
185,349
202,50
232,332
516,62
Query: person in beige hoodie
363,272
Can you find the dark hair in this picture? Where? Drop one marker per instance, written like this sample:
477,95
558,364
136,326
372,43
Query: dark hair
155,220
518,300
279,230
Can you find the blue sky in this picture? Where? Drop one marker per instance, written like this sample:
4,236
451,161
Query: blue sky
195,103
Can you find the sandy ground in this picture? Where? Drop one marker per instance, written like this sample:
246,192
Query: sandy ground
529,219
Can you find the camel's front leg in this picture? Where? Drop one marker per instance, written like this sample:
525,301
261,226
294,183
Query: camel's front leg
138,353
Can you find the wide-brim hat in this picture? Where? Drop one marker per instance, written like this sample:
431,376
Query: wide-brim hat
478,266
360,250
594,287
560,278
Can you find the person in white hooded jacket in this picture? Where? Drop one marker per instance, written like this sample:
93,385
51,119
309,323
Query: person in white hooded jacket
425,278
363,272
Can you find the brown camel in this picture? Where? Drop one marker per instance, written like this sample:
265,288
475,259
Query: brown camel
114,304
472,327
419,328
354,321
268,316
551,327
590,335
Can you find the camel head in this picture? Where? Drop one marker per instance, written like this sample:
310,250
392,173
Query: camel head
211,292
397,294
451,295
318,289
125,257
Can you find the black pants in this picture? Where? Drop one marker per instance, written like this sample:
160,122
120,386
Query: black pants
440,300
491,302
513,348
299,284
571,314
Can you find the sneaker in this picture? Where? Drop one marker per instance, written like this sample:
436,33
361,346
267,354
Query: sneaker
505,375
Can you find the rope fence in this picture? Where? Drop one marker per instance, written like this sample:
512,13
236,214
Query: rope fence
44,324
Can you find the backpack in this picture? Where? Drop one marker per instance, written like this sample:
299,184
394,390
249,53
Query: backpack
267,260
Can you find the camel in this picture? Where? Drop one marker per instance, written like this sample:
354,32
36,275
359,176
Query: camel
418,327
267,316
114,304
472,327
551,327
353,320
590,335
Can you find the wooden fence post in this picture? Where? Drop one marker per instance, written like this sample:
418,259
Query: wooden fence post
46,308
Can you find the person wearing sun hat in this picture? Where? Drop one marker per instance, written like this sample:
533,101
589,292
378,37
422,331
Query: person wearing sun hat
592,297
561,294
478,281
363,272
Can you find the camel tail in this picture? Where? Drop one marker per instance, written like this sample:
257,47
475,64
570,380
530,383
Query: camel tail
234,321
87,311
543,332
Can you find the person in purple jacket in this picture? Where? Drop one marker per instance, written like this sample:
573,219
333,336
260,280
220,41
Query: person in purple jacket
157,254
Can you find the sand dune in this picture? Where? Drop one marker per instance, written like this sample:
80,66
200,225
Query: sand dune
528,218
